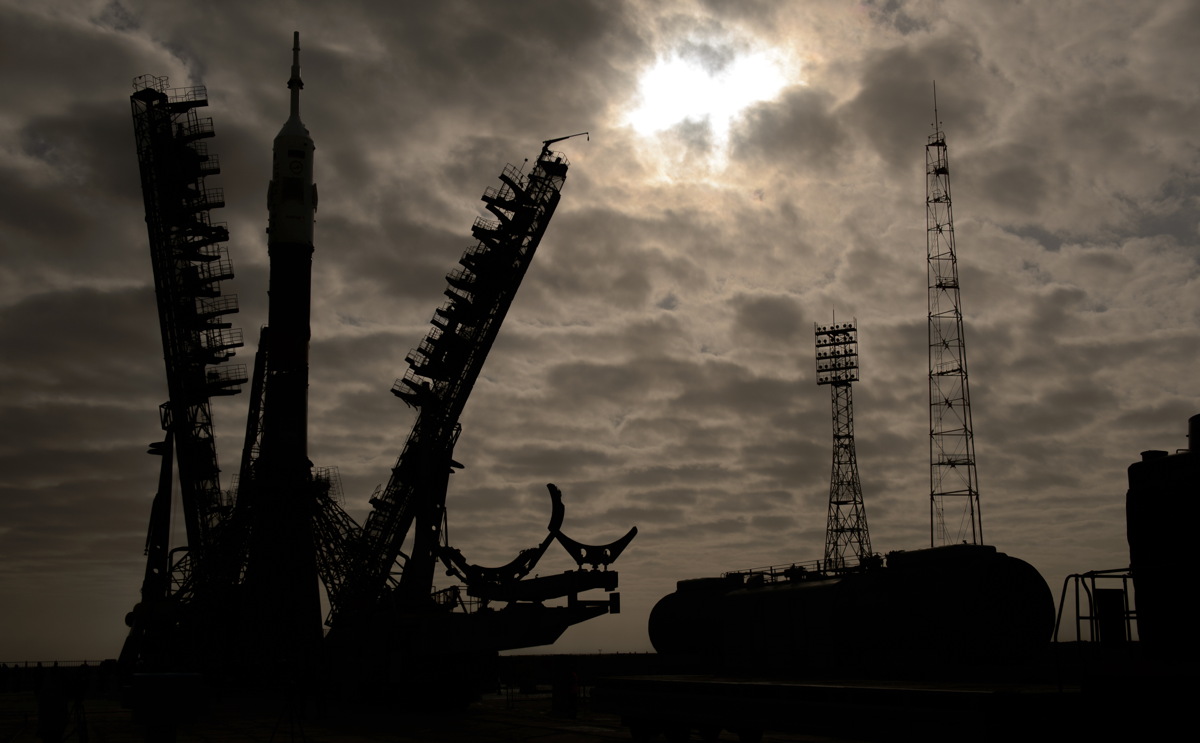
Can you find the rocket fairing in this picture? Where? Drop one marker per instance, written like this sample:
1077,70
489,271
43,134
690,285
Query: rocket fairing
292,195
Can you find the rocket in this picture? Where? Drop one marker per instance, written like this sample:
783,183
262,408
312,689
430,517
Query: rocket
282,587
292,206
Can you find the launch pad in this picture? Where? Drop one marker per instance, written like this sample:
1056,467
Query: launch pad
243,596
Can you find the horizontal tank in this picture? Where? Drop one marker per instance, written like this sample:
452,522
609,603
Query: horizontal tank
926,608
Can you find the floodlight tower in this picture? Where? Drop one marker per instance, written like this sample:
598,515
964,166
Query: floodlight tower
951,441
837,366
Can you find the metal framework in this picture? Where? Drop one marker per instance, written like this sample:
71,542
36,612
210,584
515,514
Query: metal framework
189,262
951,440
1102,614
837,366
442,371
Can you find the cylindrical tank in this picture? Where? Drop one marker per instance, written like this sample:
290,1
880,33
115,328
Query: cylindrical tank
1161,500
945,606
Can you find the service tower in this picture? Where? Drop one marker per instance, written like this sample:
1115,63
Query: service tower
282,585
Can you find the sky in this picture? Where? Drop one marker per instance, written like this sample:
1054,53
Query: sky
753,168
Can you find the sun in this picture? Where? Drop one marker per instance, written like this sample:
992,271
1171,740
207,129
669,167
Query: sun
705,86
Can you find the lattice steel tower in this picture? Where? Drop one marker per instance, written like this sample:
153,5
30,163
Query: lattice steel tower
951,441
442,372
837,366
190,260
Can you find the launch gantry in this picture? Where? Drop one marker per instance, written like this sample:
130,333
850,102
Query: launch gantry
442,371
190,261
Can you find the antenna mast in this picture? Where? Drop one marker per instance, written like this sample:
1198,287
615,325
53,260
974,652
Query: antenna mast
951,441
837,366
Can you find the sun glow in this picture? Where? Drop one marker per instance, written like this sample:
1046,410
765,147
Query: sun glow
687,88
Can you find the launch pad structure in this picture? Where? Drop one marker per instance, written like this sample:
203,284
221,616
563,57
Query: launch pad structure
243,596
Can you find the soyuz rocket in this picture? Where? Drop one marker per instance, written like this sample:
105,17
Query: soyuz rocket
292,206
283,593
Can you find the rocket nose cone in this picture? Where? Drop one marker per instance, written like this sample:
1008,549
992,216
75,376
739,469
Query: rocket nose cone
294,127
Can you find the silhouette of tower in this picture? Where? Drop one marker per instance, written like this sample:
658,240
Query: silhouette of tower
837,366
190,261
442,372
951,441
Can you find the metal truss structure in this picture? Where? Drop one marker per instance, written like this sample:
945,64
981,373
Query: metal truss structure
952,473
189,261
379,577
837,366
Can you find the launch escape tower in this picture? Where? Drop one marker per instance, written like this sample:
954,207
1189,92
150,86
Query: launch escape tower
245,592
189,261
951,441
837,366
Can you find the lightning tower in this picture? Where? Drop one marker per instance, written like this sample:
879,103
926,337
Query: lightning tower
837,366
951,441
